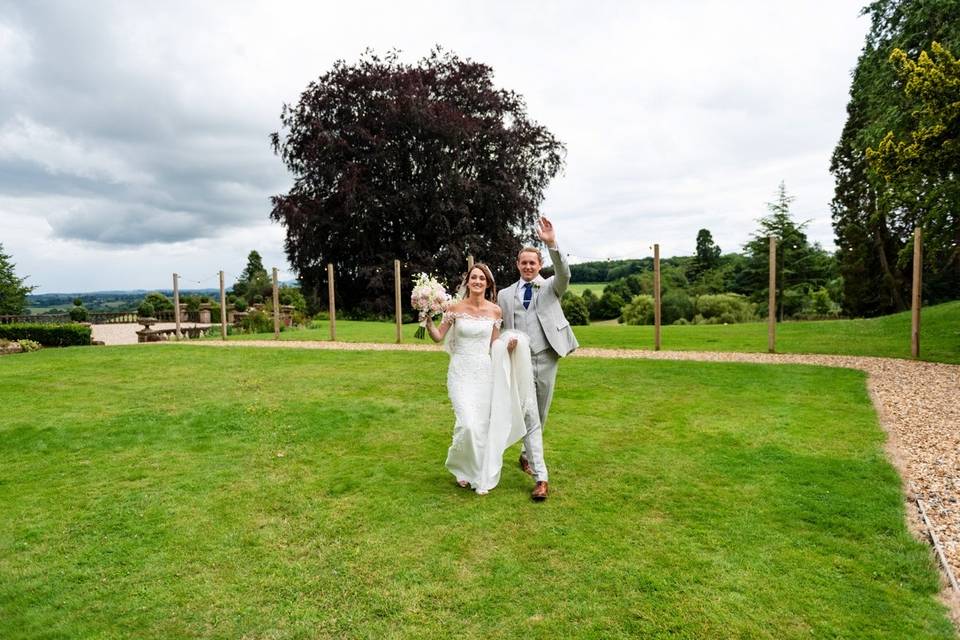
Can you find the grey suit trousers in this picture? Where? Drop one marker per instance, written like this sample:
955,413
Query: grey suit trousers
544,376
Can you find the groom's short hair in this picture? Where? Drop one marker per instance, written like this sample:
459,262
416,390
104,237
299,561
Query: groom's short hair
533,250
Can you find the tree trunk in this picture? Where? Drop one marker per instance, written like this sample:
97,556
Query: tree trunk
889,278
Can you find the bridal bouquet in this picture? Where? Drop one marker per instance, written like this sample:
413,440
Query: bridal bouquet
429,298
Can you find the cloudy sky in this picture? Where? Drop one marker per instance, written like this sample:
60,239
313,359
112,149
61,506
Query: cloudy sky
134,135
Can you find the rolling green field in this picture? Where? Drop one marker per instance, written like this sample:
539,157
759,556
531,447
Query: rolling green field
888,336
181,491
579,287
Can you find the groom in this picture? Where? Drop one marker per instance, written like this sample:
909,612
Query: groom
532,305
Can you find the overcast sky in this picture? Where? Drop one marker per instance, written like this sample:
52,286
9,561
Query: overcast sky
134,135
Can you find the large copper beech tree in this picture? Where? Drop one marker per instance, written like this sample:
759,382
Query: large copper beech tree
425,163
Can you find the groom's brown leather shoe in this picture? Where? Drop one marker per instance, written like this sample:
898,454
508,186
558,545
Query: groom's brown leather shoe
539,493
525,465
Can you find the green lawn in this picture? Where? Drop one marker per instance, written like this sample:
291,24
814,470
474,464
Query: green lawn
188,492
887,336
579,287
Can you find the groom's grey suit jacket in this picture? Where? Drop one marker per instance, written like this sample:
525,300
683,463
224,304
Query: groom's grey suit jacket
546,305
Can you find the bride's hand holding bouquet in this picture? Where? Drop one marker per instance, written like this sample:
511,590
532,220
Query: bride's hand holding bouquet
429,298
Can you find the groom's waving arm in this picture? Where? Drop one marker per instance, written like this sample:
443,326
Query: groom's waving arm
561,270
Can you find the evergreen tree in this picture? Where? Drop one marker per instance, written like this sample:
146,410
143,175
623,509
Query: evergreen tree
873,217
923,169
254,280
707,256
13,293
801,266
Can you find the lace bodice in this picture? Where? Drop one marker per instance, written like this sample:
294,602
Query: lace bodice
471,333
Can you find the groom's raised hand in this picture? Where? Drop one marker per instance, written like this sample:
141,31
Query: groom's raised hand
546,232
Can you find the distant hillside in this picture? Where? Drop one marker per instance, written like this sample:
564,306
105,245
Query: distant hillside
110,300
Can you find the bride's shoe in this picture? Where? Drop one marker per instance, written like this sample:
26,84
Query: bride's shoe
463,484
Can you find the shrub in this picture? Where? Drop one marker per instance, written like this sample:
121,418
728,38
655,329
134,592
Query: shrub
159,301
48,335
639,310
28,345
621,289
589,297
681,321
820,301
192,303
257,322
145,310
298,318
316,323
292,296
9,347
608,306
575,309
240,303
78,314
675,305
794,299
723,307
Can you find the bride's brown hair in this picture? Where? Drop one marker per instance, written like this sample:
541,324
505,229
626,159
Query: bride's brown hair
491,291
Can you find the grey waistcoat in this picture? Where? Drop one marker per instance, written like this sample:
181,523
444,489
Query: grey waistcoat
526,320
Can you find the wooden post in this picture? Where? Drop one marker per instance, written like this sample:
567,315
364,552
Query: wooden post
915,306
223,309
333,305
656,297
276,307
772,299
176,303
396,286
469,263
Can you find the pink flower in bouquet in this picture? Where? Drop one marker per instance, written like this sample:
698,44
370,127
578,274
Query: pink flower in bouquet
429,297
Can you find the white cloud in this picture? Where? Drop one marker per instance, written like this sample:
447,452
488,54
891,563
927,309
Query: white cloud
135,134
22,138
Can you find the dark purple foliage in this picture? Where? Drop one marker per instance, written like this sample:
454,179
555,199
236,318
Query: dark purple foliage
426,164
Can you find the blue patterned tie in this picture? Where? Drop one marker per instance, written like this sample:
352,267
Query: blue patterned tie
527,294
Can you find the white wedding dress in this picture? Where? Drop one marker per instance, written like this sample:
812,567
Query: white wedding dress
490,390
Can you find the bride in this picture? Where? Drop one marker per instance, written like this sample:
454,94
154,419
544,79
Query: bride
489,381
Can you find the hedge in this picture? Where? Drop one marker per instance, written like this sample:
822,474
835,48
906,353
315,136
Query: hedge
49,335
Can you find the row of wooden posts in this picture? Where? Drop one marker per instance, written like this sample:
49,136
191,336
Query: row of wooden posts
223,306
914,302
771,302
771,312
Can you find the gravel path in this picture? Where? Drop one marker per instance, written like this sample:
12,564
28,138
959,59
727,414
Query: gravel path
918,404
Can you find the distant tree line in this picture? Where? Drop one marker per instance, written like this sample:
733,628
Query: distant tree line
711,286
